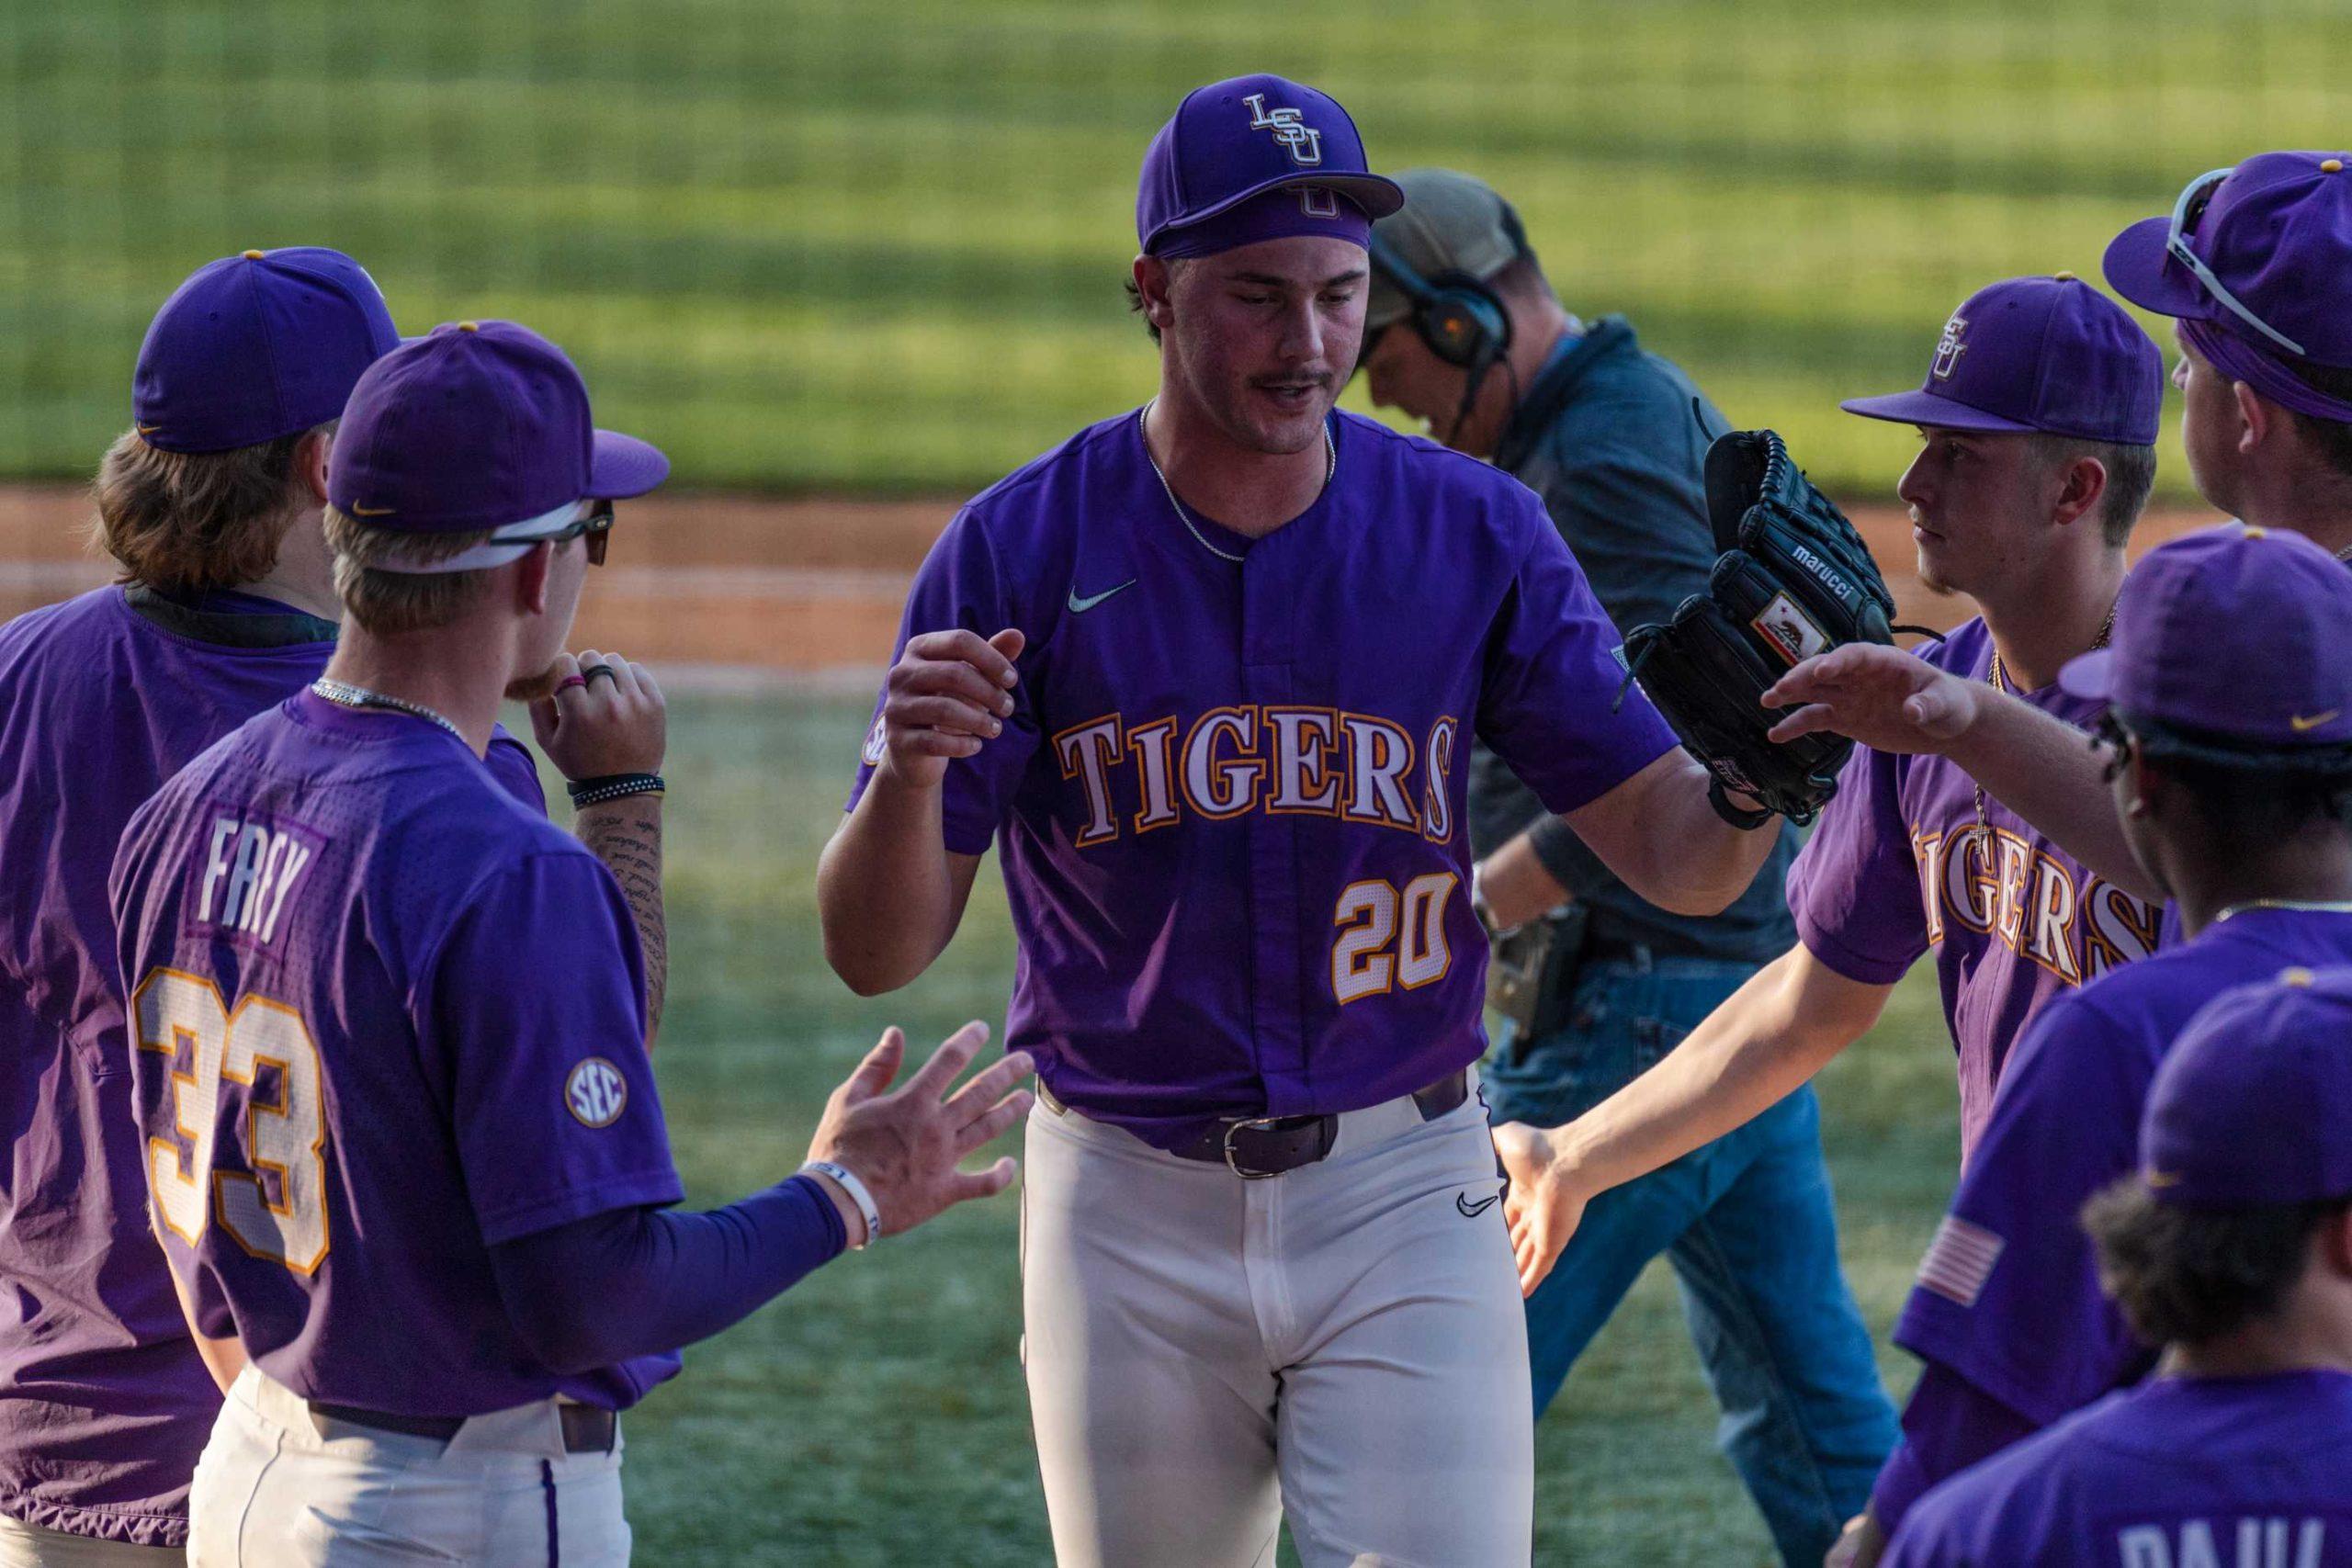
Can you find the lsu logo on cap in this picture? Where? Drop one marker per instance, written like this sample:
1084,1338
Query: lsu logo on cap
1949,348
595,1093
1302,142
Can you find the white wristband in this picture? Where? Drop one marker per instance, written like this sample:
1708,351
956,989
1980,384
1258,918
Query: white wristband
858,1195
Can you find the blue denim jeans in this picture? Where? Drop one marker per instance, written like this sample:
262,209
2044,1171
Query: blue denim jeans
1746,1222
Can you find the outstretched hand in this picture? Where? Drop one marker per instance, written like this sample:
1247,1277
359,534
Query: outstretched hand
1883,697
906,1144
1541,1206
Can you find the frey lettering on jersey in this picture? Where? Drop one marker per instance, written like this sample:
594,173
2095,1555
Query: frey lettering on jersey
250,870
2271,1541
1284,760
1988,880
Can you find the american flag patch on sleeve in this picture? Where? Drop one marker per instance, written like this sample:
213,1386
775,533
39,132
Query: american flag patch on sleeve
1960,1261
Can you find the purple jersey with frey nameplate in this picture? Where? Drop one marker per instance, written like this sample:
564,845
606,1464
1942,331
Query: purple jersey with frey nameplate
1901,863
385,1019
1229,799
104,1404
2228,1472
2008,1295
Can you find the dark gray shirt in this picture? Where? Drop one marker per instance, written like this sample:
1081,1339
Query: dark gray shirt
1608,436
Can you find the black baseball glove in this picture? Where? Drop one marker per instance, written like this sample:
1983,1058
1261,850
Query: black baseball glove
1794,580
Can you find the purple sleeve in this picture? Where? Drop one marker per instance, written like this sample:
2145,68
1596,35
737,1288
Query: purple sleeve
1548,700
2007,1296
633,1282
517,772
960,587
1855,886
1948,1423
537,1008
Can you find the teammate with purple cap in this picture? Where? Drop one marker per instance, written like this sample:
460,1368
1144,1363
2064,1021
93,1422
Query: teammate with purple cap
2254,264
210,506
389,1036
2038,421
1208,673
2231,1249
2230,711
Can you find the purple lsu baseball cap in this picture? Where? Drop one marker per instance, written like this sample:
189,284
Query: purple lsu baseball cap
479,425
2037,353
255,346
1256,158
2253,1106
2236,634
2275,234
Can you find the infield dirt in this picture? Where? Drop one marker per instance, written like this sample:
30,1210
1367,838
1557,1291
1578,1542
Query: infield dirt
738,589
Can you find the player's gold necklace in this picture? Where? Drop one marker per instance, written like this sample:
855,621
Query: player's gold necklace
343,694
1330,467
1999,678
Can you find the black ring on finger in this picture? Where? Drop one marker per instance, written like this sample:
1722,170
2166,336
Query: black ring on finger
590,672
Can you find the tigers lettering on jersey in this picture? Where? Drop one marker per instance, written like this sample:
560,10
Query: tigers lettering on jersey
1993,882
1281,760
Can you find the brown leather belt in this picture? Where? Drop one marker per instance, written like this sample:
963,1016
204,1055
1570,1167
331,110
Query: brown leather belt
586,1429
1255,1148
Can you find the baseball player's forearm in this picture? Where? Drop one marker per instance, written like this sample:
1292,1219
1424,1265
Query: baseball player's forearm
2051,774
1517,884
625,834
643,1281
889,892
1658,834
1769,1037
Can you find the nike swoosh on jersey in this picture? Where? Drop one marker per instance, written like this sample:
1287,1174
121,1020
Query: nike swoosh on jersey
1471,1211
1079,606
2313,722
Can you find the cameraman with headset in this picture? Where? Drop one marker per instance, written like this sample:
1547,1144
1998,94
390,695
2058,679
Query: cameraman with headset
1594,983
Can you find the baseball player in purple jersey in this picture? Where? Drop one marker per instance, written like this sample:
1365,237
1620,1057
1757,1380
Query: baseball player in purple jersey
2037,420
1207,673
2230,701
2252,264
2231,1247
211,508
388,1036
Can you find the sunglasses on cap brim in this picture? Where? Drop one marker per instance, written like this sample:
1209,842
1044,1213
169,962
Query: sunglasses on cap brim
2195,198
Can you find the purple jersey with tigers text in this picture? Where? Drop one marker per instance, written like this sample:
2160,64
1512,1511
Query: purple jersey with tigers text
385,1018
1230,797
2179,1472
104,1404
2008,1295
1901,864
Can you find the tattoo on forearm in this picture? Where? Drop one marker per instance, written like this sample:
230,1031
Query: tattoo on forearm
625,834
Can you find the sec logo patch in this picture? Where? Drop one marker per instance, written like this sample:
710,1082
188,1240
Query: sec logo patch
877,743
595,1093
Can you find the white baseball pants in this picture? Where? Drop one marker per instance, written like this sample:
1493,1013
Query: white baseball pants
1342,1345
278,1488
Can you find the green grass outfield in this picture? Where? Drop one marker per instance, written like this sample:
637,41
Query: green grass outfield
844,244
876,1415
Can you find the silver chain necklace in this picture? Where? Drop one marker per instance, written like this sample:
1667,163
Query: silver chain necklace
1330,467
346,694
2308,906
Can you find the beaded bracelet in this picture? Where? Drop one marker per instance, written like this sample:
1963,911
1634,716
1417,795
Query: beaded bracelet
613,786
